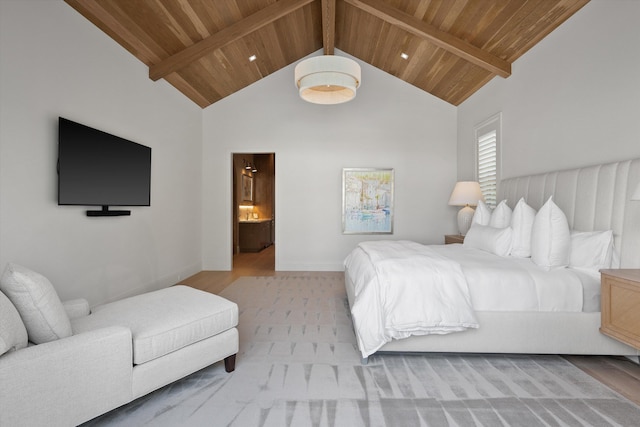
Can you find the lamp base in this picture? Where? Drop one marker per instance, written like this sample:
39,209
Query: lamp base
465,216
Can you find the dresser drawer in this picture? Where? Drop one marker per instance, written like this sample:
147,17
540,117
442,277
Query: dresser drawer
620,305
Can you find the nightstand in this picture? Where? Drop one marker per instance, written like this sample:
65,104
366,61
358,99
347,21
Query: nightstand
453,238
620,305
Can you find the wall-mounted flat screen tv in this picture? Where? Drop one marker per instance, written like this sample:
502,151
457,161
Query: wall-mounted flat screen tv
96,168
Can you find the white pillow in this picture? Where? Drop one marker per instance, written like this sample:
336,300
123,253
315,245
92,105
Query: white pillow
592,250
13,335
550,237
615,259
489,239
482,214
501,216
37,302
522,224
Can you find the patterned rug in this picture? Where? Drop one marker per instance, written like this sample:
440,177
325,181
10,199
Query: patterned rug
298,366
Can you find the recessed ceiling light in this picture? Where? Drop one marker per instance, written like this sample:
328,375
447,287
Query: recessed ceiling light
252,58
404,56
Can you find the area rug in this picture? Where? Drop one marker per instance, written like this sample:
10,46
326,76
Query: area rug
298,365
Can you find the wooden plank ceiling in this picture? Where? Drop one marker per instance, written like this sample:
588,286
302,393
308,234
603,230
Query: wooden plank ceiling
202,47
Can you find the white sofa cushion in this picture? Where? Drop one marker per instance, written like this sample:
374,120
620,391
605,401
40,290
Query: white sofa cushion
37,302
76,308
164,321
13,334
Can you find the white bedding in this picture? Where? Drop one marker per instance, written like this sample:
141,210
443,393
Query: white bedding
488,282
517,284
411,290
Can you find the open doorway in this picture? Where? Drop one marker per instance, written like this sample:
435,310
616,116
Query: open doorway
254,214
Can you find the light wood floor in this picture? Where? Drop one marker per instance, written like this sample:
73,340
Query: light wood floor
618,373
244,264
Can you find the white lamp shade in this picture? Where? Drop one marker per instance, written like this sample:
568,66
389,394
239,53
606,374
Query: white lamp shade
327,79
466,193
636,194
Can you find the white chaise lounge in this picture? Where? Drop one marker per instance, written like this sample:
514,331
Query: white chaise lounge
77,366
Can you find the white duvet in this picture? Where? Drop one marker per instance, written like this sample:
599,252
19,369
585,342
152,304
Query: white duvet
516,284
411,290
403,288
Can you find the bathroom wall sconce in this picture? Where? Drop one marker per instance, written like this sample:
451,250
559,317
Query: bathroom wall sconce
248,166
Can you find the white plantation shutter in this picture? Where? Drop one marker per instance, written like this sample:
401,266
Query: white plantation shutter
487,166
488,137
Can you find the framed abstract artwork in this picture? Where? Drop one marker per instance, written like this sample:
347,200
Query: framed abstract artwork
247,188
367,201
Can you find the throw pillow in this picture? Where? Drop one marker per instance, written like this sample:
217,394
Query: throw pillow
37,302
592,250
489,239
482,215
13,335
550,237
501,216
522,224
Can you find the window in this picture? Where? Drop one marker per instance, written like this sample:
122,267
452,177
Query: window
487,166
487,136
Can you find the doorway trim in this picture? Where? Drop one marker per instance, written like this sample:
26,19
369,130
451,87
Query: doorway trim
264,198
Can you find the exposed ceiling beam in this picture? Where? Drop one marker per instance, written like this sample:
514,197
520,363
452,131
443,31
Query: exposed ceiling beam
225,36
434,35
329,26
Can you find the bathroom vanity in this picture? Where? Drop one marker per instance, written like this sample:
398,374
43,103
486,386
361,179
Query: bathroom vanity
255,235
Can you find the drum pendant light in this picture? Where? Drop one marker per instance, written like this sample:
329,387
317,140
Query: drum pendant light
327,79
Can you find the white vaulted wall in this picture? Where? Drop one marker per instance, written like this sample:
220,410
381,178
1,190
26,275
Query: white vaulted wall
54,62
389,124
572,100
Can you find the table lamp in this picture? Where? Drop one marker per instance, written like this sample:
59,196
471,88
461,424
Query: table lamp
467,194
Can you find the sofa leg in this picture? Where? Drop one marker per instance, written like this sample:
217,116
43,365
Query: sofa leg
230,363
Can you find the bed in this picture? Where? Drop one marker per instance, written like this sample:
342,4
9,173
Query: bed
592,198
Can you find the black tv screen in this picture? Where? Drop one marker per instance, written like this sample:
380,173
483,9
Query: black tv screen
99,169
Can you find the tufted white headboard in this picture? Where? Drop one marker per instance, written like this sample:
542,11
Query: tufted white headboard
593,198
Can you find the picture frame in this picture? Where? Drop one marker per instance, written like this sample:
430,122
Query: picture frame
247,188
367,201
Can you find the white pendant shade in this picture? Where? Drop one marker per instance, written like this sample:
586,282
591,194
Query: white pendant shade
327,79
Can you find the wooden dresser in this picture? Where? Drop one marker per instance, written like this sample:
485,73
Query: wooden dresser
620,305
